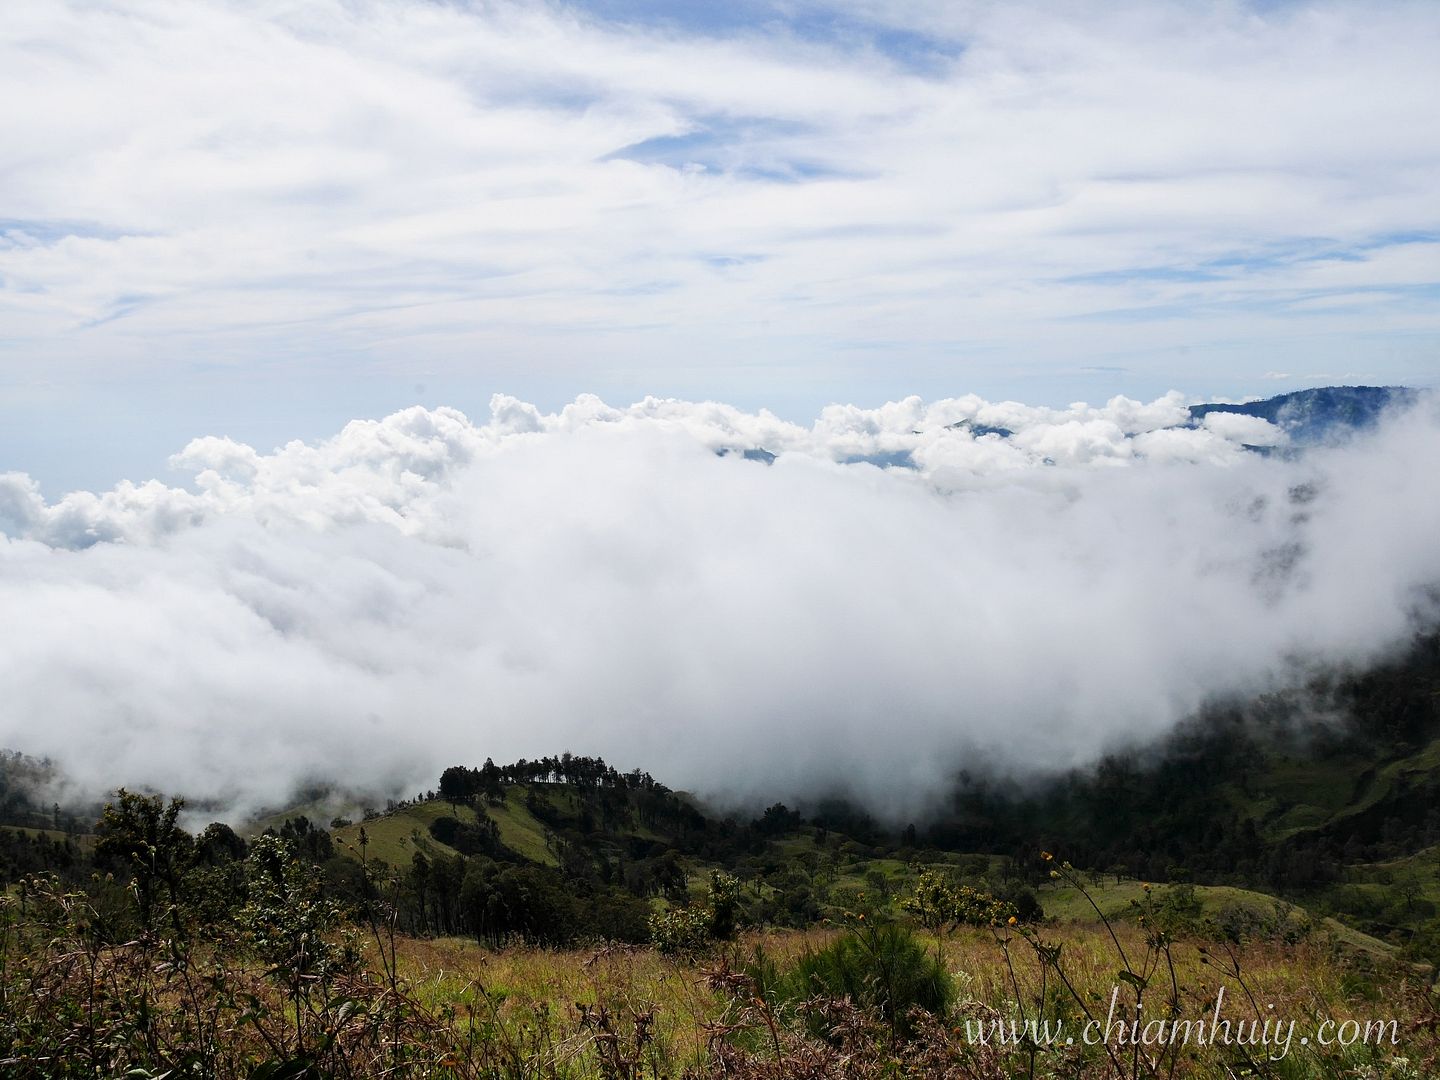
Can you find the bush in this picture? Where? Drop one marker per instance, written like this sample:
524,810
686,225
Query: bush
884,967
482,838
938,902
288,920
1239,923
681,931
694,928
612,914
1179,908
724,905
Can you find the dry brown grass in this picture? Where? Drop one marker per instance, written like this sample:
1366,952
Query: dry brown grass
460,1011
1308,982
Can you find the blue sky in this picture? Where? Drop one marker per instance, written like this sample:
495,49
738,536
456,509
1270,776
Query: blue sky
263,219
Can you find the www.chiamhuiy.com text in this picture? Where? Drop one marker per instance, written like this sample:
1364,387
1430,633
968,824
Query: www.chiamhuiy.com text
1273,1036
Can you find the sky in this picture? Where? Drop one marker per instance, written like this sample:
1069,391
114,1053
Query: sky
260,220
779,397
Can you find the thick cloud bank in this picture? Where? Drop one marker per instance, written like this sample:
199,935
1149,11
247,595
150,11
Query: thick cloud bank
647,583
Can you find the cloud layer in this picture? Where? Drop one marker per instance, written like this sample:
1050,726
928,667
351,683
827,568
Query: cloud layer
423,590
719,205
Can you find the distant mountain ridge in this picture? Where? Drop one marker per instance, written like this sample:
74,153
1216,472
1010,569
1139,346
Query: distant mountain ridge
1310,417
1319,414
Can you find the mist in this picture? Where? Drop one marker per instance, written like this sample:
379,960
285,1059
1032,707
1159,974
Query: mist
1022,589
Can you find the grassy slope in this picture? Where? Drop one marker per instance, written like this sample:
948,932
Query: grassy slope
394,838
1287,796
520,830
321,810
1421,868
1294,794
1067,905
1393,774
1116,901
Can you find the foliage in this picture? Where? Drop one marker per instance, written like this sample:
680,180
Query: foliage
724,905
681,931
73,1005
150,953
76,1003
288,919
937,903
876,966
693,928
140,833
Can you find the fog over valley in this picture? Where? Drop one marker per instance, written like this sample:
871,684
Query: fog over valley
748,608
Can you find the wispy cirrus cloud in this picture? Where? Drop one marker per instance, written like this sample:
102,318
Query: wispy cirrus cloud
413,186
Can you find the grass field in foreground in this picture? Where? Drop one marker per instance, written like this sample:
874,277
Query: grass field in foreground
535,995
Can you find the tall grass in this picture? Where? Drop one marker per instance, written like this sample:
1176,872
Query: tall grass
825,1003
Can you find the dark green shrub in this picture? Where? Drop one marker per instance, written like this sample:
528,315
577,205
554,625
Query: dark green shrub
724,905
884,967
1179,908
612,914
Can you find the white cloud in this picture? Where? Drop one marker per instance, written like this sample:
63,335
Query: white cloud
1248,430
421,590
422,186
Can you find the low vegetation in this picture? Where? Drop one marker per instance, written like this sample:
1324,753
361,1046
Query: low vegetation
558,918
295,987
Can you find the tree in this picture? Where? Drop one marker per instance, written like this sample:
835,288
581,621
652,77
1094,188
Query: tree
941,905
457,785
219,844
491,783
290,923
140,831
